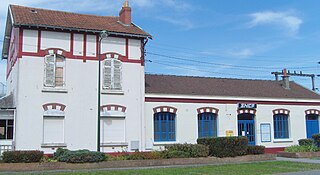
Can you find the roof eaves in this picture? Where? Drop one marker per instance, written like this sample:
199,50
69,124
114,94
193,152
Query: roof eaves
81,30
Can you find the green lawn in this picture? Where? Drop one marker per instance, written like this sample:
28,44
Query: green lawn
239,169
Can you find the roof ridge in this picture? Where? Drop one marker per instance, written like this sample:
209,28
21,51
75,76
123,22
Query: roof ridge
60,11
190,76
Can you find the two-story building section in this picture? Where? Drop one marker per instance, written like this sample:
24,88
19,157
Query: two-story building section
52,79
53,97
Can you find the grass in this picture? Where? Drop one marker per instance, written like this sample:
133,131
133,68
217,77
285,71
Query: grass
230,169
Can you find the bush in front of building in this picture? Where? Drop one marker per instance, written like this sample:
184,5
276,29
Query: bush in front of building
225,146
298,148
79,156
316,139
194,150
255,149
305,142
22,156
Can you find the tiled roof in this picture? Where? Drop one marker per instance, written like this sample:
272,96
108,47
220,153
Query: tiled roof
27,16
7,102
184,85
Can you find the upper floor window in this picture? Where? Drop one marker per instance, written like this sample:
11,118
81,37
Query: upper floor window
112,74
54,71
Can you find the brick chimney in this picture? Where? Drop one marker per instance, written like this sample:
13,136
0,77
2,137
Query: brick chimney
285,79
125,14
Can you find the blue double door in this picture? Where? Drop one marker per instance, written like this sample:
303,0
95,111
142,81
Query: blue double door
246,127
312,122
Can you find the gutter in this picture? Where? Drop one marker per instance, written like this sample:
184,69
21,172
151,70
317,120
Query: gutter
83,30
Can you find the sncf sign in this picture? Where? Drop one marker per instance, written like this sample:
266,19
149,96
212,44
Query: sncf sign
247,106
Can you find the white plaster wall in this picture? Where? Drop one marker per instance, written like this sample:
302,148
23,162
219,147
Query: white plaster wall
80,100
134,49
187,128
113,44
78,44
91,45
30,41
55,40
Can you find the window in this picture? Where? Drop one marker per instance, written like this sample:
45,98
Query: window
54,71
53,130
281,126
164,126
112,130
112,75
207,125
6,129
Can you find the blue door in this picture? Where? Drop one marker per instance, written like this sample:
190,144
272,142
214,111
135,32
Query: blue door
312,125
246,128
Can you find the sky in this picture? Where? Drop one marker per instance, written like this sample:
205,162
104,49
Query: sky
245,39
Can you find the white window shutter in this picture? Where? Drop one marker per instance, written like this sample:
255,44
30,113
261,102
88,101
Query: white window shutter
107,74
117,75
112,130
53,130
49,71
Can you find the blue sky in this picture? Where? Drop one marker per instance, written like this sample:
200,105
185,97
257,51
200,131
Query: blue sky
238,39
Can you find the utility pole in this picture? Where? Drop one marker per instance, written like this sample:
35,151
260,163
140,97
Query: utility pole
294,73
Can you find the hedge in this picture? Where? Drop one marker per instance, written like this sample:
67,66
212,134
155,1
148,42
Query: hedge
226,146
22,156
194,150
252,150
305,142
316,138
298,148
79,156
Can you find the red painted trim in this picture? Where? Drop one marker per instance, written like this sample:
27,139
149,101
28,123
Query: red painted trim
250,111
142,53
97,47
84,47
39,41
127,48
217,101
116,107
312,111
71,43
20,42
274,150
54,106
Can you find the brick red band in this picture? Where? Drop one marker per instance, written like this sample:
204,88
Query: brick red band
281,111
165,109
208,109
312,111
59,106
113,107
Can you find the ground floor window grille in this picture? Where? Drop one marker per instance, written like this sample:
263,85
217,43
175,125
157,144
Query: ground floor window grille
164,126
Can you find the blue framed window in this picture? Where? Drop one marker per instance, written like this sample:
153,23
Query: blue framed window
281,126
207,125
164,127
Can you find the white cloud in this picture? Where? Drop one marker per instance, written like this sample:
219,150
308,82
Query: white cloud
285,20
186,24
243,53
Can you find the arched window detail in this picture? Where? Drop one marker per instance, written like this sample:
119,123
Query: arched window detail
54,68
312,111
281,123
165,109
247,111
208,109
113,110
207,124
53,125
112,72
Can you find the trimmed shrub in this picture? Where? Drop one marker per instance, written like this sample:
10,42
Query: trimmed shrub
305,142
298,148
252,150
80,156
176,154
316,138
59,152
226,146
22,156
194,150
